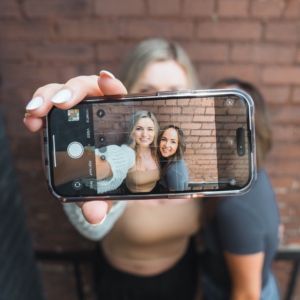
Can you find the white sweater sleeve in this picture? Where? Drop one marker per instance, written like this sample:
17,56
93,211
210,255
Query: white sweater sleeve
121,159
86,229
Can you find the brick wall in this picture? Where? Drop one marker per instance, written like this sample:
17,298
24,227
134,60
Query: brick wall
53,40
209,127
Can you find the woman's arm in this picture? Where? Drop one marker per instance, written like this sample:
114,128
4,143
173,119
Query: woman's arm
245,272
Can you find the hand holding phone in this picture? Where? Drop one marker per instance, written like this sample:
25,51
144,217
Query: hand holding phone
175,144
79,87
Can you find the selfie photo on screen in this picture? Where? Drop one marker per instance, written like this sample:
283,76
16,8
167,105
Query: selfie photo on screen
133,147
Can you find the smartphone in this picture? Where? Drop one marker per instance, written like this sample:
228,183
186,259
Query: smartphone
173,144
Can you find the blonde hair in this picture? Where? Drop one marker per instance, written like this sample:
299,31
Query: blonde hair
131,140
155,50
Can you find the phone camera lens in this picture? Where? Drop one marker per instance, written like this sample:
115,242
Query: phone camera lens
100,113
103,157
102,139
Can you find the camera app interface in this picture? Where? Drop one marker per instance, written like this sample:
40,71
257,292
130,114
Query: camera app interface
157,147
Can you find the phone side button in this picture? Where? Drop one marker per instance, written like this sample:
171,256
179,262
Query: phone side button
167,93
184,92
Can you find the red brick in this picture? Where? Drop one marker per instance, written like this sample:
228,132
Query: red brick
226,118
193,110
63,52
286,182
13,52
162,118
292,9
229,30
28,75
180,118
57,8
171,102
183,102
220,111
206,151
233,8
194,156
20,30
207,102
285,151
209,111
9,10
191,126
203,162
266,8
166,110
282,32
105,8
275,94
210,73
263,53
113,52
207,52
163,8
198,8
286,115
283,167
232,126
204,119
191,139
159,28
236,111
201,132
222,133
209,126
208,139
296,95
241,119
68,72
281,75
88,29
282,133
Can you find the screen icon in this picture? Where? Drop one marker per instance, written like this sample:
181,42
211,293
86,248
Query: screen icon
73,115
100,113
77,184
75,150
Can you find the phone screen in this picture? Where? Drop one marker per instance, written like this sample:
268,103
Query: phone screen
150,146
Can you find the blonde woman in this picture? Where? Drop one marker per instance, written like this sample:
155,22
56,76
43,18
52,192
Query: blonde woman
146,249
144,174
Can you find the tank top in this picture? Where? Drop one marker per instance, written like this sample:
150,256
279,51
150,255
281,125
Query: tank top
142,181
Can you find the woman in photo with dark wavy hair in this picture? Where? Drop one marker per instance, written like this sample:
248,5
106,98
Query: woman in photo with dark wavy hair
174,174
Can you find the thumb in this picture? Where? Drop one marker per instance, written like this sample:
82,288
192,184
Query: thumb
109,85
95,211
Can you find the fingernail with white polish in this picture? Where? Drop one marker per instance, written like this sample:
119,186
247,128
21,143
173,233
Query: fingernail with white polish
62,96
35,103
29,115
108,74
95,225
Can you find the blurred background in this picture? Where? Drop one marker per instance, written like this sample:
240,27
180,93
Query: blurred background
49,41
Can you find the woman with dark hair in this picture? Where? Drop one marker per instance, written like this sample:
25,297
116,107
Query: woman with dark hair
240,233
174,174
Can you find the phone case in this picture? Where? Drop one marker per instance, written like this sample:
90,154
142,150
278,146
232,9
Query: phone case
172,195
